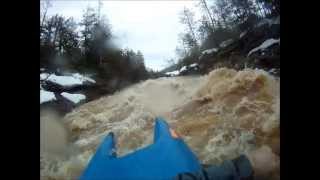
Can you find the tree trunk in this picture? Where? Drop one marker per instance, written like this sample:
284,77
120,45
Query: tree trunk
208,12
184,48
190,27
191,30
43,18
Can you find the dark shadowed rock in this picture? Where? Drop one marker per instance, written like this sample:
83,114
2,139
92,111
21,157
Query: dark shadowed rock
54,87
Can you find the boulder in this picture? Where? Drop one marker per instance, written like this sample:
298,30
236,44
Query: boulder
72,82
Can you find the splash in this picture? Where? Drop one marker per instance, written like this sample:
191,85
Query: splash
220,116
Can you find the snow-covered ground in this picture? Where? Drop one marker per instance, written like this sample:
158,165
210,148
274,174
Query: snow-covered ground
65,81
173,73
68,80
267,43
44,76
193,65
75,98
184,68
46,96
208,51
83,78
75,79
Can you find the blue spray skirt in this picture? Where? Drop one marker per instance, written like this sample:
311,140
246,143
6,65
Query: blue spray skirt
163,159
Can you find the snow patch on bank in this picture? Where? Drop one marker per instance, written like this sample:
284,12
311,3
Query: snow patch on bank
44,76
267,43
83,78
46,96
207,52
75,98
193,65
184,68
173,73
75,79
68,80
64,80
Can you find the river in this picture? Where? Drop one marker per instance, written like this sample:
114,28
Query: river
220,115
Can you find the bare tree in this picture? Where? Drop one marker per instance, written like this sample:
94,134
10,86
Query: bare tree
187,19
204,5
44,6
223,11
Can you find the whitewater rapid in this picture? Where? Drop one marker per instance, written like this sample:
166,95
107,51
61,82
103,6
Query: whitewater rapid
220,115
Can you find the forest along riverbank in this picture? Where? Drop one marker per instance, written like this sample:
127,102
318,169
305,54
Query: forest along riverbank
220,115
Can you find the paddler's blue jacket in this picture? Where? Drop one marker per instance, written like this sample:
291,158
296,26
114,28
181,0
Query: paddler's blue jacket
167,158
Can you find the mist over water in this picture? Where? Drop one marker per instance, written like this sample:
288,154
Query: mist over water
220,115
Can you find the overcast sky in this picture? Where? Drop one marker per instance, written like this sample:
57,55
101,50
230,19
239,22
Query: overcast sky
149,26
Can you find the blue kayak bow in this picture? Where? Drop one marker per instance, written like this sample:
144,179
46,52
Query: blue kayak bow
163,159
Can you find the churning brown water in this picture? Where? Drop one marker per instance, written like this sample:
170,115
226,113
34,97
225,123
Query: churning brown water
220,116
